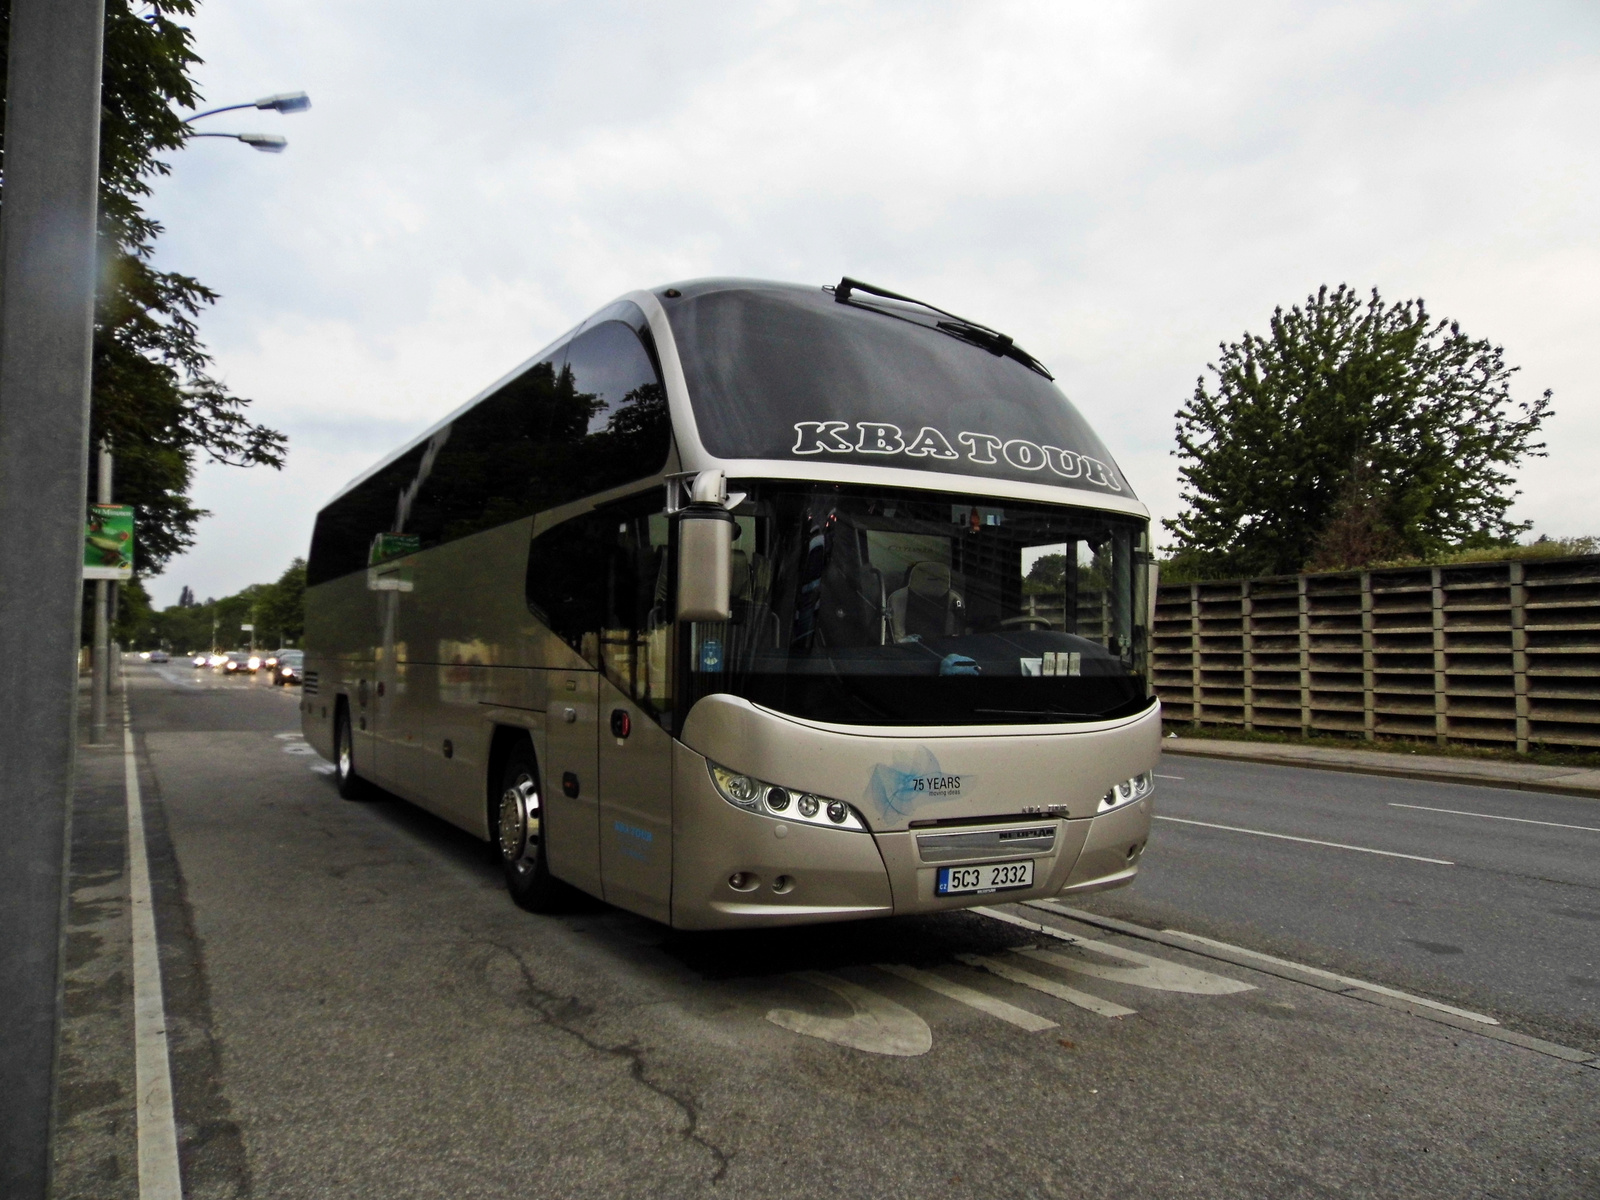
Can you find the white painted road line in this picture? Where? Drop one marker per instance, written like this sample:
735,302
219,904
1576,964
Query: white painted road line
876,1025
1038,983
157,1134
971,997
1456,812
1157,974
1309,841
1154,973
1166,936
1344,979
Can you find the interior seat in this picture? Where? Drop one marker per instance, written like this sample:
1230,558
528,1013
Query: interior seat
927,606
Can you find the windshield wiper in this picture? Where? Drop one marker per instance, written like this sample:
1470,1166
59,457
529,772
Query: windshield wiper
992,340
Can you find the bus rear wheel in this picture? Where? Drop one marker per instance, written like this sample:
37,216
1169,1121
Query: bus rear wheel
521,835
351,785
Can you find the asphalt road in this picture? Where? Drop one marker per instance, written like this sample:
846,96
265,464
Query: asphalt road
1510,927
354,1008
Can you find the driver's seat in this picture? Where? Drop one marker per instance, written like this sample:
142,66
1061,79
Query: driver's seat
927,606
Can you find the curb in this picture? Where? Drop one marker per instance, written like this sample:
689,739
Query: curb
1552,786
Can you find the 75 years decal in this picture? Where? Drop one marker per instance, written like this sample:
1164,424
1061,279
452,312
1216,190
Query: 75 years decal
985,449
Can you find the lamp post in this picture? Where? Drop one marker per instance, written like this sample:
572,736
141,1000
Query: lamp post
100,658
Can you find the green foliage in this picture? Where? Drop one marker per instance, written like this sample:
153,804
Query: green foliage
277,610
1353,431
1048,576
153,398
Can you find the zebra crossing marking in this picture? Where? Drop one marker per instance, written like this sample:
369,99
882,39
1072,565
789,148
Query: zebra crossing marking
971,997
877,1024
1152,973
1049,987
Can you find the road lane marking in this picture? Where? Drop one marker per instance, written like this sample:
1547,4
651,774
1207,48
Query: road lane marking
1309,841
1189,941
1480,1018
1456,812
971,997
1105,1008
1154,973
1172,977
876,1025
157,1133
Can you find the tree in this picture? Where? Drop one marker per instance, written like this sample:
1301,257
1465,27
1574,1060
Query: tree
152,398
1352,431
281,608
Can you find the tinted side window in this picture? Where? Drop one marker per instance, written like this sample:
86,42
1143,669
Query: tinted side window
344,531
591,419
600,582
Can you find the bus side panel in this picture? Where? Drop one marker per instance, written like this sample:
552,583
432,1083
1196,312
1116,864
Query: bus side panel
471,648
340,637
635,808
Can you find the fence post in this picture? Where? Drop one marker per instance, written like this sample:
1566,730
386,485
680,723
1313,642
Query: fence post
1305,658
1441,698
1248,642
1369,706
1519,652
1194,652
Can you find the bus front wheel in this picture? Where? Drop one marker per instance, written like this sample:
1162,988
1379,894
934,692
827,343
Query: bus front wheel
520,834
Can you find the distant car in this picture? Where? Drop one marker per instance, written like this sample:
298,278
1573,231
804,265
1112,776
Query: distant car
202,660
290,668
159,656
216,661
237,662
145,654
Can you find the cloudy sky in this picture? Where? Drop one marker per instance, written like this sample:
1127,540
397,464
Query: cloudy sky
1118,186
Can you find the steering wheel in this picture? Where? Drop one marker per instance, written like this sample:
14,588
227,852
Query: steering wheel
1028,622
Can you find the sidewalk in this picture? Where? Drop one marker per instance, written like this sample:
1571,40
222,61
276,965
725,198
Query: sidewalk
1525,777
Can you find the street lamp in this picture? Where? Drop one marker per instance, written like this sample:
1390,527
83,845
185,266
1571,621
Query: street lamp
100,681
269,143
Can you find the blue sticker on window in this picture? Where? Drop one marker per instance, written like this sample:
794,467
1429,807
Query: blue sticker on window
711,655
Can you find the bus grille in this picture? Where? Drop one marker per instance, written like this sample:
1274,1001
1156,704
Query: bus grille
308,683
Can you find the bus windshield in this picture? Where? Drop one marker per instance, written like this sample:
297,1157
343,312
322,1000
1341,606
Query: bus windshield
878,606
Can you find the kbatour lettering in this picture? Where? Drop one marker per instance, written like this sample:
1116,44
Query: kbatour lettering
984,449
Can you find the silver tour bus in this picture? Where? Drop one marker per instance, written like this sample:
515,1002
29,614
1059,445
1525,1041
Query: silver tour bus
749,603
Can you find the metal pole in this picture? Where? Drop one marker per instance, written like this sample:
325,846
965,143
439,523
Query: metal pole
100,682
47,260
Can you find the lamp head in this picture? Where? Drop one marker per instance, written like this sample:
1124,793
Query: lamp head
268,143
286,102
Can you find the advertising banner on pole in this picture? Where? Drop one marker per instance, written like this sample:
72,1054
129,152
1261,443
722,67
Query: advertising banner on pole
108,542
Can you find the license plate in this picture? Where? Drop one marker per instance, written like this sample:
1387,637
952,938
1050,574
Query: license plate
991,877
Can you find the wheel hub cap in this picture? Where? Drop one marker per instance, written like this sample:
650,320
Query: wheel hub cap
519,820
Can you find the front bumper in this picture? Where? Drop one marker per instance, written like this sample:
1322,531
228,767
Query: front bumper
735,869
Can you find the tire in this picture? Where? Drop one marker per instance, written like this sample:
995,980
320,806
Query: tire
516,820
351,785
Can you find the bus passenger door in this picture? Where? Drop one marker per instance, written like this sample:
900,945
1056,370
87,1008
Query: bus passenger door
635,806
572,781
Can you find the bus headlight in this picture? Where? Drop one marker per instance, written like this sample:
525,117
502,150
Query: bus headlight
1128,791
803,808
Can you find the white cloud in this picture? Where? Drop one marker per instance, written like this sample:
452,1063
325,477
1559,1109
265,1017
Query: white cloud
1120,187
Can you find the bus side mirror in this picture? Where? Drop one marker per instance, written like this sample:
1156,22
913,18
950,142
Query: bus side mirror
705,552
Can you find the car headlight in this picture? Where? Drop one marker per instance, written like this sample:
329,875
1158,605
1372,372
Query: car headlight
253,663
1128,791
754,795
